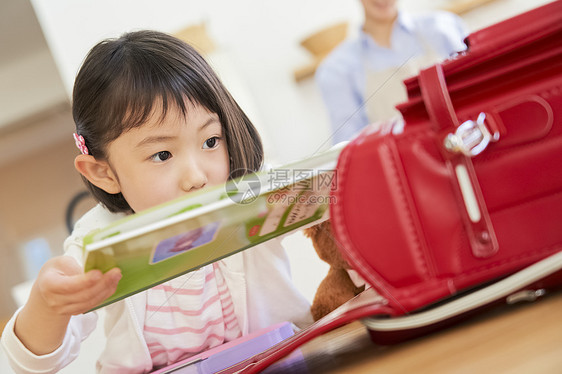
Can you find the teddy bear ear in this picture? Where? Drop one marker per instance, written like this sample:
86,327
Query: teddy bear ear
309,232
314,230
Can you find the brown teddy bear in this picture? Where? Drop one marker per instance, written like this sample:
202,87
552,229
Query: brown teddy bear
337,287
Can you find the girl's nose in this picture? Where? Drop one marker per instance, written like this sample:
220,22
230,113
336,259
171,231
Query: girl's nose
193,177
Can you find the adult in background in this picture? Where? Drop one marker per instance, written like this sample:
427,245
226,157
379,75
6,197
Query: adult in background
361,80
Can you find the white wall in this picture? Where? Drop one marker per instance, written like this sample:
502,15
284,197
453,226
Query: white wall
33,87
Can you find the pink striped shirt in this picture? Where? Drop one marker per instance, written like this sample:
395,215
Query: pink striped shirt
188,315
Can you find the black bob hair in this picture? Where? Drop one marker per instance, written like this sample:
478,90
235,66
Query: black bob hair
121,80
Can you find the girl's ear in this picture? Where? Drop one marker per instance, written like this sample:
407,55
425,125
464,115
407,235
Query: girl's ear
99,173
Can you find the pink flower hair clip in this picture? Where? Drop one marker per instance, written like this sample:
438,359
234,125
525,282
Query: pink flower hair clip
80,143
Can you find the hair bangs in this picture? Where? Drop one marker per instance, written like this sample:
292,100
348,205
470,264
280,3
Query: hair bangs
147,86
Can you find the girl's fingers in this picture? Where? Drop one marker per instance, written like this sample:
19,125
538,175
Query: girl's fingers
60,284
79,307
98,291
80,293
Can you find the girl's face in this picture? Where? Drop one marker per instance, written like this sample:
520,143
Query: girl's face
163,160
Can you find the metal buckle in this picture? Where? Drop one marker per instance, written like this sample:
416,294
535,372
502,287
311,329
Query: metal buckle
470,138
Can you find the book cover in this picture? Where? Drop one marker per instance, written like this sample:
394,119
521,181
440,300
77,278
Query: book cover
182,235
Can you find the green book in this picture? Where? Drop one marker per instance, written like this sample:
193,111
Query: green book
202,227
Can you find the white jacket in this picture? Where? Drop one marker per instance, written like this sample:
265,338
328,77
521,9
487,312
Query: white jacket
259,281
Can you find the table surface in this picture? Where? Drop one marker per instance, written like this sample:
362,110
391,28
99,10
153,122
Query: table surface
521,338
516,339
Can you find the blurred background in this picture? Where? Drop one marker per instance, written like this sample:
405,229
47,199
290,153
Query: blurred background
255,46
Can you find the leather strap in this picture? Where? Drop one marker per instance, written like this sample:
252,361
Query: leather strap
443,118
437,100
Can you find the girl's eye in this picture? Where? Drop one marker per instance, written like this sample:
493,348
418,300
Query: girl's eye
211,142
161,156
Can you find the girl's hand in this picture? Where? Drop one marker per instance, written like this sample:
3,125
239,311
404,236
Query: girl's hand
61,290
64,289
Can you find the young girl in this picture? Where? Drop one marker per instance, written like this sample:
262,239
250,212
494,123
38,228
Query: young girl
153,122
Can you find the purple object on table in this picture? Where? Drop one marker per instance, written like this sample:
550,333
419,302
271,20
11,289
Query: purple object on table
230,353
